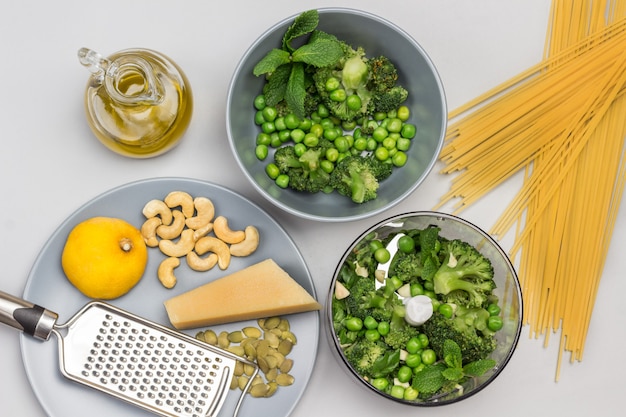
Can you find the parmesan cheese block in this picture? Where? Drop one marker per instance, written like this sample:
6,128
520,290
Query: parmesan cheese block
260,290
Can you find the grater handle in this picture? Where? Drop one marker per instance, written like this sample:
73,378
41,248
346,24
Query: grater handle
30,318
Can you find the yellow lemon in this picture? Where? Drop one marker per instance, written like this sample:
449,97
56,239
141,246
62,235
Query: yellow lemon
104,257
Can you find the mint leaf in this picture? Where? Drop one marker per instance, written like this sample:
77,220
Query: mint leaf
453,374
385,364
479,367
295,92
272,60
276,86
303,24
317,35
429,380
321,53
452,355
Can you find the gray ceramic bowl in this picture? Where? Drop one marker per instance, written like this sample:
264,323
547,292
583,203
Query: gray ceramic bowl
508,291
416,73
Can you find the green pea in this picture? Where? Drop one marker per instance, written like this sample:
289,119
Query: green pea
341,143
397,391
292,121
379,116
354,324
317,129
323,111
282,180
410,393
495,323
429,357
311,140
331,134
372,335
338,95
403,144
348,125
360,144
261,152
354,102
394,125
389,143
284,135
493,309
383,328
371,144
423,340
332,154
332,84
406,244
297,135
408,131
275,141
392,113
259,102
258,118
413,345
279,123
375,244
404,373
380,384
305,124
413,360
380,133
416,289
399,158
268,127
404,113
446,310
381,153
272,170
327,166
382,255
269,113
263,139
299,148
370,323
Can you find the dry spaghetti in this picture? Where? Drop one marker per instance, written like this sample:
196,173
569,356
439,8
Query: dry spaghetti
560,122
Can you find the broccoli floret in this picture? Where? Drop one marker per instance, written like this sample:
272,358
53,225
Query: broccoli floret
358,177
400,332
407,266
304,171
367,300
464,269
390,99
364,353
383,76
474,343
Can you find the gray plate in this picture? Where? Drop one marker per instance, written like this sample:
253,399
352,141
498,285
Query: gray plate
48,287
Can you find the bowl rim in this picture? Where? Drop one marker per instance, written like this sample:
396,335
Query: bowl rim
334,343
303,214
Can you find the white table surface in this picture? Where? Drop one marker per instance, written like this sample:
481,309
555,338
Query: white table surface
50,164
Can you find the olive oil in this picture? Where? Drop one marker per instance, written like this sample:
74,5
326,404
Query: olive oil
138,102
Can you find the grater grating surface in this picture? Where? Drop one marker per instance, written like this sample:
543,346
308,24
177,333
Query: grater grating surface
151,366
133,359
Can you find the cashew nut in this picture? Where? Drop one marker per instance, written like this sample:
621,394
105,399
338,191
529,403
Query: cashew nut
182,199
217,246
155,208
165,272
174,229
198,263
182,247
222,231
203,231
204,213
248,245
148,231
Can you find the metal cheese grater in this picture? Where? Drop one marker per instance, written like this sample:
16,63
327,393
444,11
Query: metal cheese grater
133,359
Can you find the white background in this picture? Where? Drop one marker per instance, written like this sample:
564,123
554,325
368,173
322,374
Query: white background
50,164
